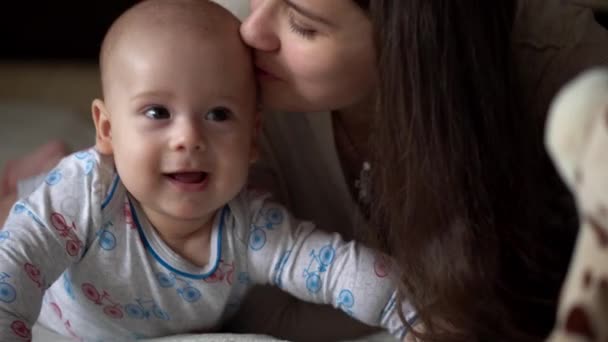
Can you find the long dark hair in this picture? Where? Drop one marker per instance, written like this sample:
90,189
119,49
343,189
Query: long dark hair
459,200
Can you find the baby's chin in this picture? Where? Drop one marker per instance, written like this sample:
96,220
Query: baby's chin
189,213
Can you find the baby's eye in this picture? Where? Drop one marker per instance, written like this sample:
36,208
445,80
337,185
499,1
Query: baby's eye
218,114
157,113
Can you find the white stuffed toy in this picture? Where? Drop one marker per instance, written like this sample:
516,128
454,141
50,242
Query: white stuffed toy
576,136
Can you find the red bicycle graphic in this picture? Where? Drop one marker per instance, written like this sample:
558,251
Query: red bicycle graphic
73,244
67,324
56,309
34,273
224,271
20,329
382,265
112,310
128,215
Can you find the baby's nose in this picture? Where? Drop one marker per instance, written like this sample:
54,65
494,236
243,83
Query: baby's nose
189,137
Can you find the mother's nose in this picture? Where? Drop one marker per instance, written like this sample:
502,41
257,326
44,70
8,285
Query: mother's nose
259,29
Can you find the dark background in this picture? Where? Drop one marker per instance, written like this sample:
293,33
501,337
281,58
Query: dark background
59,29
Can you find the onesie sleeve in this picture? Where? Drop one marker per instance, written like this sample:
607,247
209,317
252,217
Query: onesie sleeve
320,267
44,234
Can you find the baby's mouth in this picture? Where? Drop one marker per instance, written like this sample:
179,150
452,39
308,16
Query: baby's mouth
188,177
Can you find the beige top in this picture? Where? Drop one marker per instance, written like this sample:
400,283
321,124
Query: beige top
552,42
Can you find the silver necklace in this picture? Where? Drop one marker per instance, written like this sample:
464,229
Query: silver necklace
363,183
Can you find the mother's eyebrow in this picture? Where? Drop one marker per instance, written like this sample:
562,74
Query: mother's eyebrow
307,13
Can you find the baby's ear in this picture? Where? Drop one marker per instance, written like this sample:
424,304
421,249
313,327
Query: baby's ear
103,127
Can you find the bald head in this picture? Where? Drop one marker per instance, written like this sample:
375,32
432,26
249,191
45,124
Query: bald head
201,20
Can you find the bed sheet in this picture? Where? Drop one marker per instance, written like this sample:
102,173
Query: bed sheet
41,334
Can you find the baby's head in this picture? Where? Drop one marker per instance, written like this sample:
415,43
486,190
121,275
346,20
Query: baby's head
179,107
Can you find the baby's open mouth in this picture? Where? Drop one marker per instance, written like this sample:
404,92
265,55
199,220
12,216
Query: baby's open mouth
188,177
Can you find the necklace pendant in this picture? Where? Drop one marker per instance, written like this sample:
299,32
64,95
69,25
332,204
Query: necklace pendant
363,183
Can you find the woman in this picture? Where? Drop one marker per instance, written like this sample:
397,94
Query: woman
455,95
422,129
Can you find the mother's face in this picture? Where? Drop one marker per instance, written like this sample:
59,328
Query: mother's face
311,55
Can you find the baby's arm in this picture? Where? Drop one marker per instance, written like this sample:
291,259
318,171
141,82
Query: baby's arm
32,255
322,268
43,235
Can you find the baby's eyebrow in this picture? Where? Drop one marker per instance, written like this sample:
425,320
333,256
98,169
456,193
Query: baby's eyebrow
152,94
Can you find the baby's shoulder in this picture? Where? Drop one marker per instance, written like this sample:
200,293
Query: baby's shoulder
85,173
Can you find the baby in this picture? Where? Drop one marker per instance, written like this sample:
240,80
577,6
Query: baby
152,232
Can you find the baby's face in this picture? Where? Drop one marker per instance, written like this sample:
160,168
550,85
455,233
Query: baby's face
183,116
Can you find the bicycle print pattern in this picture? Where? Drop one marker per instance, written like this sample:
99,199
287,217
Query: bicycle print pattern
88,160
8,294
73,245
4,235
35,275
67,325
183,286
382,265
346,301
319,263
145,309
21,330
266,219
107,240
20,208
67,285
111,308
223,273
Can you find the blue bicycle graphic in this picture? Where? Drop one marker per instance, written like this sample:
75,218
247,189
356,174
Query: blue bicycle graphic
67,285
187,291
7,291
143,308
278,268
4,235
53,177
88,166
89,162
21,208
107,240
244,278
346,301
318,264
265,219
83,155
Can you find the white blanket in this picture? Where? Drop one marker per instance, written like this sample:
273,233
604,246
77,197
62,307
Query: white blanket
43,335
